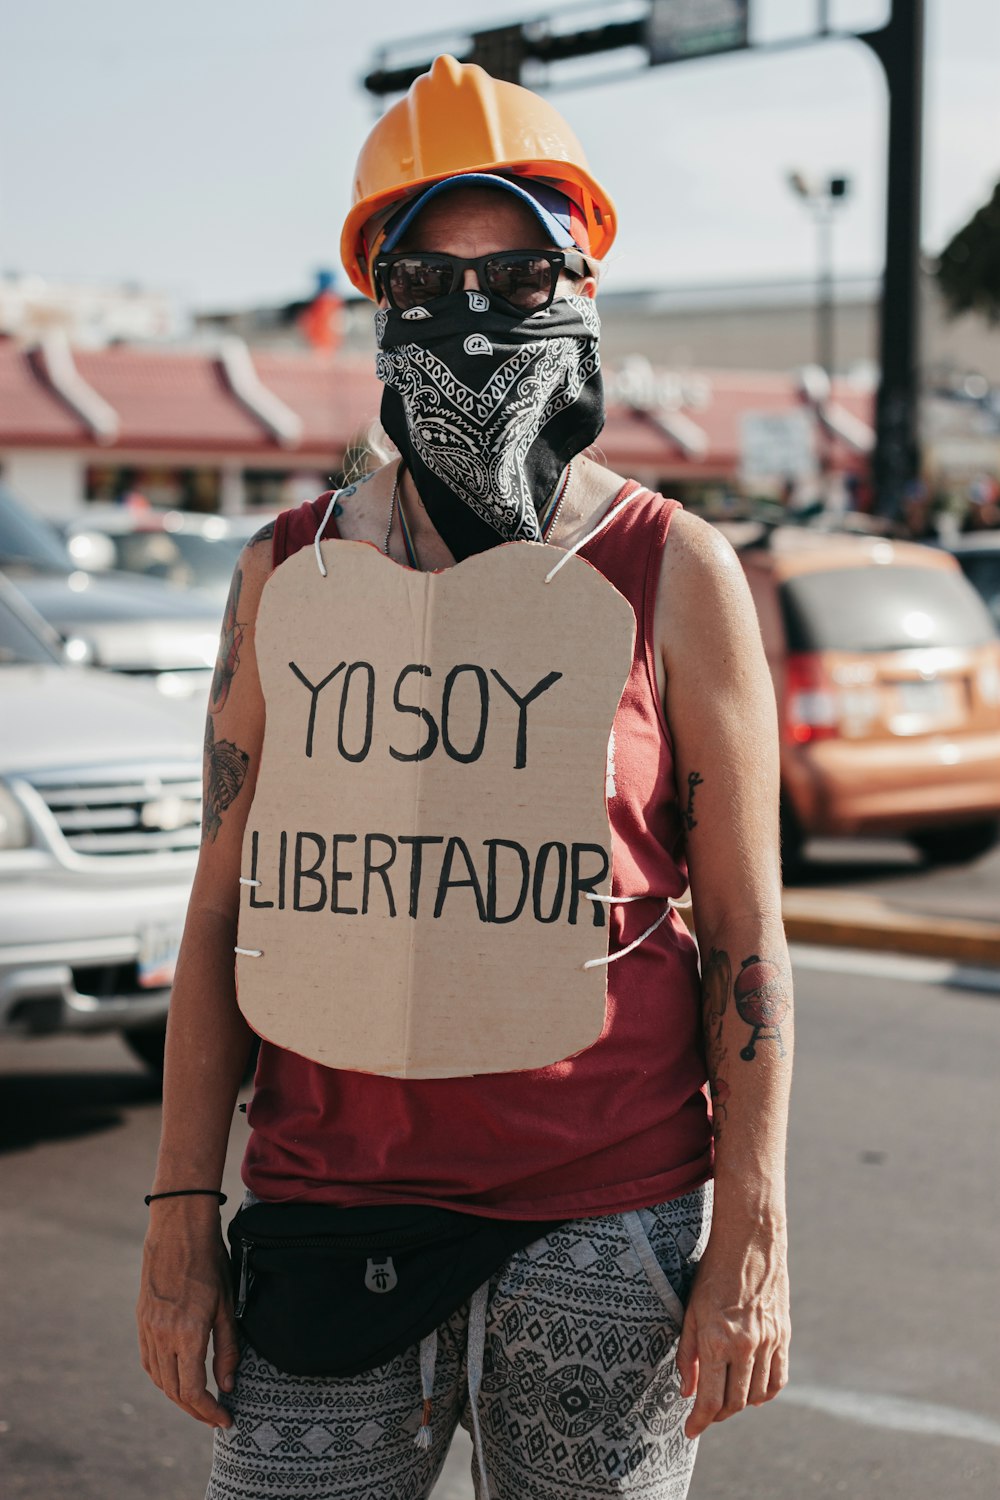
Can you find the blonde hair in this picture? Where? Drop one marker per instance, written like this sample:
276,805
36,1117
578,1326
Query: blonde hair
371,450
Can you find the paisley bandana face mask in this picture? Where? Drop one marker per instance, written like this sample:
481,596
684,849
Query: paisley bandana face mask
487,407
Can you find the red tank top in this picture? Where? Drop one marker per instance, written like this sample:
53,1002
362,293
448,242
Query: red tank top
622,1125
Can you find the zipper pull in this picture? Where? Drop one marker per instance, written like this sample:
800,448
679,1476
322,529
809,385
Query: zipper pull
241,1300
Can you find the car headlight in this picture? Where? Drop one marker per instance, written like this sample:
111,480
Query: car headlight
15,832
79,651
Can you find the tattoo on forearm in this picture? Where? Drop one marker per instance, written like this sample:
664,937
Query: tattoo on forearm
695,779
229,647
716,983
265,534
225,772
715,986
761,994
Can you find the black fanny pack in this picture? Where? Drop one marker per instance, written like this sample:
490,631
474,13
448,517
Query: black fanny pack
321,1290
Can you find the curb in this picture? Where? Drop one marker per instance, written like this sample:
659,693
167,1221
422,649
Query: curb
838,920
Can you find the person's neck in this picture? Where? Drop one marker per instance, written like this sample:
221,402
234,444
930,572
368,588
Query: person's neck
432,552
591,490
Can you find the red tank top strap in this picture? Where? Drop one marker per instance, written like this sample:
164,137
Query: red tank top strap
629,552
297,528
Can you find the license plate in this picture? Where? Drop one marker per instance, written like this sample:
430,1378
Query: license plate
157,957
928,699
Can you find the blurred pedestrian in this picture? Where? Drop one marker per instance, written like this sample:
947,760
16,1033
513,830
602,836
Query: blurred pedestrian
984,504
624,1316
917,510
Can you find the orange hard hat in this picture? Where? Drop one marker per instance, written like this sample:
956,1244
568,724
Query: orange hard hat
456,119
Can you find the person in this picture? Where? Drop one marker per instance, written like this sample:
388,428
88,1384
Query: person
656,1301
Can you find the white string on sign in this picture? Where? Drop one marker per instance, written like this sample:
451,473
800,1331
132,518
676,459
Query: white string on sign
319,534
597,963
596,531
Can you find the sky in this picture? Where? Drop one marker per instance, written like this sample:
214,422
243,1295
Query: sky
205,148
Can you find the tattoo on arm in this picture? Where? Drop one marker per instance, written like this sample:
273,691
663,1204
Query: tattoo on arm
229,647
265,534
761,994
716,983
225,772
695,779
355,484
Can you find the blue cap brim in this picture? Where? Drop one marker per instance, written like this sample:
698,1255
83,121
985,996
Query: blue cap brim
530,195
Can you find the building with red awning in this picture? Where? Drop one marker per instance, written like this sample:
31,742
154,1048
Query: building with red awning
228,427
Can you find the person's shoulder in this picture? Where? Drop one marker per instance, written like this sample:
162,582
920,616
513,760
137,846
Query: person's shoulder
254,566
698,556
704,599
254,560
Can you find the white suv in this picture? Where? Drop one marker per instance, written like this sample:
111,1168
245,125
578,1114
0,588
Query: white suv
100,802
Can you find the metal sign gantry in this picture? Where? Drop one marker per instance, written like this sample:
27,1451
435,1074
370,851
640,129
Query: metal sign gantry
675,31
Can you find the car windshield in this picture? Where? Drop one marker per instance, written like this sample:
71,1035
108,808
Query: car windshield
27,541
879,608
19,645
982,569
181,558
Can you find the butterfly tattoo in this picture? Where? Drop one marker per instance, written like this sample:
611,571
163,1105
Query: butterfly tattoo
225,772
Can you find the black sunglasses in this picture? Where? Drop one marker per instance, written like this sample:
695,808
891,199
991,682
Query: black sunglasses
524,279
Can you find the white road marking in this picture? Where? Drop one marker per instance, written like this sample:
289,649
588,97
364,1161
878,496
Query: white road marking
894,966
896,1413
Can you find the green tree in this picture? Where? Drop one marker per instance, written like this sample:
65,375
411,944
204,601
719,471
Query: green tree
968,271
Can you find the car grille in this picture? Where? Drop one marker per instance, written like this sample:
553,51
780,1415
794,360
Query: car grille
125,810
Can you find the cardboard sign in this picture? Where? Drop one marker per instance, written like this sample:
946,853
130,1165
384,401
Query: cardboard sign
430,817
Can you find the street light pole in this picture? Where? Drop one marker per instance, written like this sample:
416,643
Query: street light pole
821,198
824,299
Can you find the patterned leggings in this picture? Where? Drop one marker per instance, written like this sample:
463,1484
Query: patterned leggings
579,1400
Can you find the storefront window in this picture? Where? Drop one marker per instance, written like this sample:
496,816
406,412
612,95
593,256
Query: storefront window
278,489
158,487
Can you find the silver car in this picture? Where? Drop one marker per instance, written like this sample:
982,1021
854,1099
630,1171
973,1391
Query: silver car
139,626
100,802
194,553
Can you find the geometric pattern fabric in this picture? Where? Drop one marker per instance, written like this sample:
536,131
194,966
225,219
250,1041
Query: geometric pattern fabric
580,1397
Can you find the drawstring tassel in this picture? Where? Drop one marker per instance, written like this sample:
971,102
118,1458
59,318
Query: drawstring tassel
428,1359
425,1436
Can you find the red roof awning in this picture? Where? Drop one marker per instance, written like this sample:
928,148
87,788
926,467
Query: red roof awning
180,400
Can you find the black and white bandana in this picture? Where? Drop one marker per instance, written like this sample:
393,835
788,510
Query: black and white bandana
487,408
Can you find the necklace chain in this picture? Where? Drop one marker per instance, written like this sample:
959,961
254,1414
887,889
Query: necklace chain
559,503
392,509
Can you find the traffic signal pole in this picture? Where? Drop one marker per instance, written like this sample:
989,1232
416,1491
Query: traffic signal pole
899,46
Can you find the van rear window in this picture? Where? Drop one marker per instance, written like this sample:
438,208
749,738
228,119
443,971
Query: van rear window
982,569
879,608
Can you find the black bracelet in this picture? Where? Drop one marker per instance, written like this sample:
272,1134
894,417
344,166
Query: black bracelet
186,1193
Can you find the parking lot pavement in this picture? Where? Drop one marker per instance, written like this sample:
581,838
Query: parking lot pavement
892,871
880,896
894,1217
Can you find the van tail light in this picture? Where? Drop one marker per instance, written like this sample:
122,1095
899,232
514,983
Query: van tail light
810,700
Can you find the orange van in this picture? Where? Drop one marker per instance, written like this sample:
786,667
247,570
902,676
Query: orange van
886,667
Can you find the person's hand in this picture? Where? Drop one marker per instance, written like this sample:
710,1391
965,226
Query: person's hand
184,1296
733,1350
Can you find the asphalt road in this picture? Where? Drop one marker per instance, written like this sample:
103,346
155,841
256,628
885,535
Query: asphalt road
893,870
894,1228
